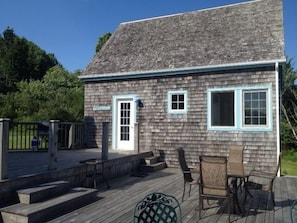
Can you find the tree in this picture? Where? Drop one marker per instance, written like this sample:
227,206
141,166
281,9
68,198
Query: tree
102,40
11,60
20,60
289,106
65,95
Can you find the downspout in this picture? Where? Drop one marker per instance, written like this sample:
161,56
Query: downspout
278,98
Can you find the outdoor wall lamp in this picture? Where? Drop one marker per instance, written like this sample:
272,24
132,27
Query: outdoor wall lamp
139,103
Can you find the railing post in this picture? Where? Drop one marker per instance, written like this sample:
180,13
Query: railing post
53,144
4,137
104,154
71,136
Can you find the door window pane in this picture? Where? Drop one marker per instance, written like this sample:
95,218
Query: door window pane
125,121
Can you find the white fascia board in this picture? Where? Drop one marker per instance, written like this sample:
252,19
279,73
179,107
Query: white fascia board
178,71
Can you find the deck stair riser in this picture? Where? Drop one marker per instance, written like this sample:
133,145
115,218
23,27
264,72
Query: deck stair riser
152,160
49,209
152,164
153,167
42,192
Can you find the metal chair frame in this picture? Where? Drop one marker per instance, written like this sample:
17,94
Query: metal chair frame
157,207
261,175
187,172
214,181
292,210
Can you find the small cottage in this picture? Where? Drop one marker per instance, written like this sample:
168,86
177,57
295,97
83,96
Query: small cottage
201,80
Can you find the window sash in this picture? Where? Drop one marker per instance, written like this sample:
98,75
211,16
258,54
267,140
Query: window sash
255,108
222,108
261,100
177,102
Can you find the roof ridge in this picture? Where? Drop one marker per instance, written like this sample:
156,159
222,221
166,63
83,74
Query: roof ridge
182,13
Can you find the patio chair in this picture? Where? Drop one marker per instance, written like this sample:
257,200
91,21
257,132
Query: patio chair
235,154
214,181
187,172
260,180
235,159
157,207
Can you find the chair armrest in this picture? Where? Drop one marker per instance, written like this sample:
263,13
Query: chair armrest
194,169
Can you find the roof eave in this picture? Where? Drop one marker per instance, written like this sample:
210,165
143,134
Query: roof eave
178,71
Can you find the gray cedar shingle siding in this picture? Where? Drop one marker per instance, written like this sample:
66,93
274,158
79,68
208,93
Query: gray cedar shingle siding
159,130
245,32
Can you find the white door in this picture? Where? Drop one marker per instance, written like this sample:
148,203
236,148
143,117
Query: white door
125,124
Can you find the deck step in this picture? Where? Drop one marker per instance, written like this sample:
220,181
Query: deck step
49,209
151,160
152,167
42,192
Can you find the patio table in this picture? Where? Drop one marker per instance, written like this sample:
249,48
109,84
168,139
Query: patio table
238,173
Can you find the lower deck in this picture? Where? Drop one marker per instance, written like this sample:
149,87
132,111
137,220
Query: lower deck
117,203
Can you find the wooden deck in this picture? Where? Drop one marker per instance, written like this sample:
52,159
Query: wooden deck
117,203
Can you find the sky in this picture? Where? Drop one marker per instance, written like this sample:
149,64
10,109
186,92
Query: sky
70,29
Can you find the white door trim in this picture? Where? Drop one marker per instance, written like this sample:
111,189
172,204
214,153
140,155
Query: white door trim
115,133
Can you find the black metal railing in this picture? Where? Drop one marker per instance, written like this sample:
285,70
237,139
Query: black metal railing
21,134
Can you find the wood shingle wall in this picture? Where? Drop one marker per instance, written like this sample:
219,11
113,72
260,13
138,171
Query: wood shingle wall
159,130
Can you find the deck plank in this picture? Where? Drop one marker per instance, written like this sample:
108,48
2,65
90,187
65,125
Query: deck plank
117,204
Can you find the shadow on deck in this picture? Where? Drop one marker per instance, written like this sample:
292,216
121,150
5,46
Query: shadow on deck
117,203
27,169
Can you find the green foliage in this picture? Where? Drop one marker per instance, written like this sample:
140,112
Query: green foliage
287,138
7,106
289,162
289,107
290,155
20,60
34,86
102,40
59,95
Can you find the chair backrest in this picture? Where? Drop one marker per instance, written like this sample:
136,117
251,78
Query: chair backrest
157,207
213,175
183,165
182,160
235,154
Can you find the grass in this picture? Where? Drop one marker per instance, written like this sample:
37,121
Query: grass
289,163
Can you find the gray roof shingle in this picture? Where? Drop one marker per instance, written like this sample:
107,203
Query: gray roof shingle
244,32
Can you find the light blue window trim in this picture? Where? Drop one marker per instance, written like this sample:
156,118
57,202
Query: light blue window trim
269,119
239,110
170,110
115,99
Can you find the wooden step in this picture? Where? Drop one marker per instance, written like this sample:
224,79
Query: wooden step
152,167
49,209
151,160
43,192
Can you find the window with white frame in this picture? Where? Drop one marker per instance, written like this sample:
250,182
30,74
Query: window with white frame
246,108
255,108
177,102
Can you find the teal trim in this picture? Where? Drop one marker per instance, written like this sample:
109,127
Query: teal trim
238,104
172,72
